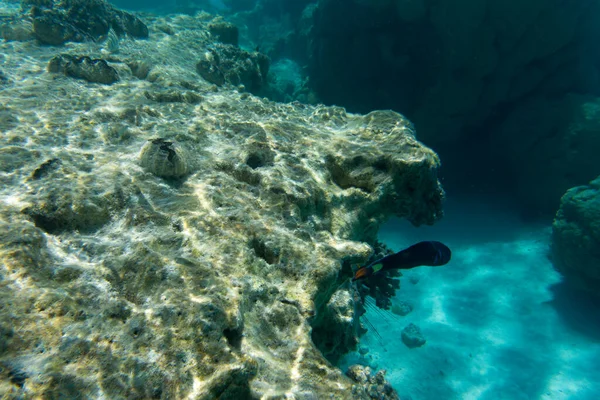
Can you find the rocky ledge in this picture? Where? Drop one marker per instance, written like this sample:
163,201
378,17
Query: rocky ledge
186,249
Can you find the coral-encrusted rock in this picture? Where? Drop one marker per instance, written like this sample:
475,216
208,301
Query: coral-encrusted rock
225,32
369,385
123,284
56,22
16,29
84,67
336,329
576,237
51,29
228,64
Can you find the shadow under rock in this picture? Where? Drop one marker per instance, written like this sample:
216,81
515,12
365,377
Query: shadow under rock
577,309
466,222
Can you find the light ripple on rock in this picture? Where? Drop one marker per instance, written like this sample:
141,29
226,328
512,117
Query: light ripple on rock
207,285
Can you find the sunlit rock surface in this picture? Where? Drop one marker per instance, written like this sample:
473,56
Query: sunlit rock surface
576,237
118,280
57,22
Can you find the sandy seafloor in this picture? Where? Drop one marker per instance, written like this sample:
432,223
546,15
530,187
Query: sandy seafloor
498,322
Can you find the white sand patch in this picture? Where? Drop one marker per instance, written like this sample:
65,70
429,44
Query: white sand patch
489,318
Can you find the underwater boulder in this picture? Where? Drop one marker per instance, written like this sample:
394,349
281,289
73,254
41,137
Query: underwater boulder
412,336
208,286
225,32
370,385
225,63
16,29
576,237
57,22
402,308
50,30
83,67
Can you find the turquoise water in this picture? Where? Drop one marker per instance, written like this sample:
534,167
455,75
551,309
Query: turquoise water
511,106
498,322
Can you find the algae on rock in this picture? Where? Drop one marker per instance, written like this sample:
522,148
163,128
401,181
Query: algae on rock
117,283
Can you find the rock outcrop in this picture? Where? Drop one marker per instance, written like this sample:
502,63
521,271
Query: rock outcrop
463,72
55,22
225,32
118,281
83,67
226,63
576,237
370,385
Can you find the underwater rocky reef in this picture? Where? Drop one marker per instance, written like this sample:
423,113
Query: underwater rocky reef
576,237
509,82
166,236
511,76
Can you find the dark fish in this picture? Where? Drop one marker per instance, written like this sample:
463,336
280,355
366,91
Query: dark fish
428,253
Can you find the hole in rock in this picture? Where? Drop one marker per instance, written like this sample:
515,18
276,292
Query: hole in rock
234,337
254,161
262,250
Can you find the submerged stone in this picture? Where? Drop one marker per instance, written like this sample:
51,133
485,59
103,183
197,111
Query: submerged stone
402,308
229,64
369,385
56,22
84,67
412,336
224,31
576,238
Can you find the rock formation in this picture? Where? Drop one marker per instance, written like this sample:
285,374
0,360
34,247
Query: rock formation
576,237
412,336
464,72
57,22
119,281
505,81
226,63
92,70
